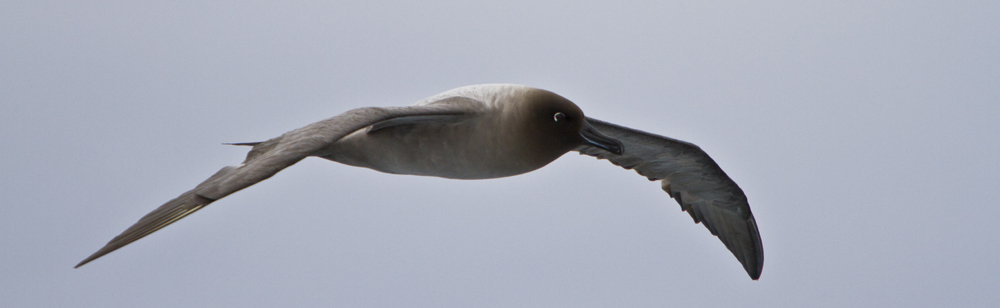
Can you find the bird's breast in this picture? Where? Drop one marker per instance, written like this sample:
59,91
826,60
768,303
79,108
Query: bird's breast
459,151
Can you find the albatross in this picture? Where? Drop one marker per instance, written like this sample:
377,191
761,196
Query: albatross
483,132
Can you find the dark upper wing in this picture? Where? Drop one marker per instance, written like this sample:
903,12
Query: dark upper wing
263,161
695,181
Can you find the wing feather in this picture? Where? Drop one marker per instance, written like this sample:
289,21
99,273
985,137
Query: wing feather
695,181
264,160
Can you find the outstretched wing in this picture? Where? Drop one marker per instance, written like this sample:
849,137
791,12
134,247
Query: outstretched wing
695,181
263,161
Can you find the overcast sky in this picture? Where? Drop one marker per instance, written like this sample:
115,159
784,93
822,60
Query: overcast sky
864,134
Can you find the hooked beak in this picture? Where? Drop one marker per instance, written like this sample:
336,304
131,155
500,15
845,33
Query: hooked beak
592,137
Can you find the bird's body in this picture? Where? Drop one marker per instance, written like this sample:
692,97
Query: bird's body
482,132
477,142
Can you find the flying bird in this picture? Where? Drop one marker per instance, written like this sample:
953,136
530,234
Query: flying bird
482,132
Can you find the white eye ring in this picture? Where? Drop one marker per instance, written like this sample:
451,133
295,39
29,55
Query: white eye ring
559,116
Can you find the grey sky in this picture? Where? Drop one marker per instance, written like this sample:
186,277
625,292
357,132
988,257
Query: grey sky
864,134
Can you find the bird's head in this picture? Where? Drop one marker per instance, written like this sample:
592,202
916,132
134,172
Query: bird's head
556,125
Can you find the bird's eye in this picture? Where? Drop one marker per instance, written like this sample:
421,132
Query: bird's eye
559,116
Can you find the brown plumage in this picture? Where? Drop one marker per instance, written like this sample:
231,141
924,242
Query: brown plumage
481,132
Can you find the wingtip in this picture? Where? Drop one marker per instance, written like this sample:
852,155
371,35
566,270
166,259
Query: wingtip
755,265
754,272
98,254
85,261
755,268
244,143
